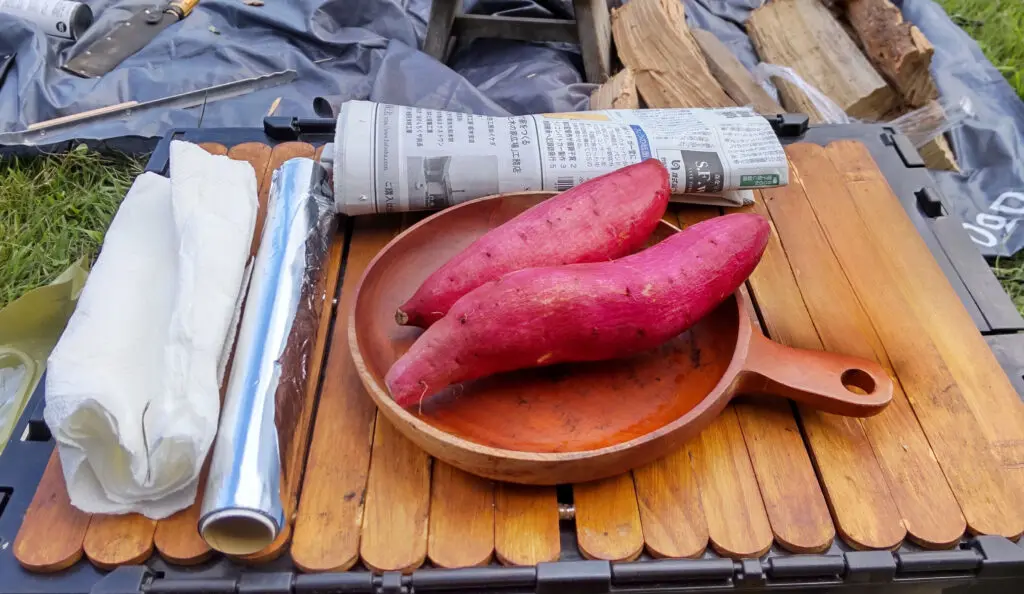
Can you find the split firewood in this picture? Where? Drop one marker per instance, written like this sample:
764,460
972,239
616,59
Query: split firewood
937,154
897,49
734,77
653,41
618,92
803,35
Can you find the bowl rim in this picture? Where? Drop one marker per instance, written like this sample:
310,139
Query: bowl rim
382,398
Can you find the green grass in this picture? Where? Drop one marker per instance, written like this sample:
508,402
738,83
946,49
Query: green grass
998,27
53,211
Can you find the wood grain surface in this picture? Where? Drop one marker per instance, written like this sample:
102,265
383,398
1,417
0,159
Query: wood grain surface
732,75
397,503
653,40
737,522
789,490
989,501
929,512
853,483
793,500
461,531
607,519
618,92
803,35
177,537
991,396
329,519
112,541
735,513
936,400
526,524
671,512
52,532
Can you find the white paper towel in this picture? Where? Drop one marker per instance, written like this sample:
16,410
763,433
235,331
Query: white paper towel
132,387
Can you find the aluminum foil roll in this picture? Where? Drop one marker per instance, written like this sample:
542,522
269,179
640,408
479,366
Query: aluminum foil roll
242,509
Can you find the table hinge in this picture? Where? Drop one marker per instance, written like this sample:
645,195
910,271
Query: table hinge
474,579
807,567
127,579
749,573
918,563
1000,557
353,582
265,583
574,577
870,567
391,582
705,572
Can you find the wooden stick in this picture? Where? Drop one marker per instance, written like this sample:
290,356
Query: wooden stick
618,92
898,49
733,75
81,115
653,40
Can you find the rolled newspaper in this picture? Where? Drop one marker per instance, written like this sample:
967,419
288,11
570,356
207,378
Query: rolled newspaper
391,158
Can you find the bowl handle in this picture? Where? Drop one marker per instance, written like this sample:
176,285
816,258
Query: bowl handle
838,384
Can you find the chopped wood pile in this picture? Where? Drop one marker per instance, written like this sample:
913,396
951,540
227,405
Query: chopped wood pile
861,54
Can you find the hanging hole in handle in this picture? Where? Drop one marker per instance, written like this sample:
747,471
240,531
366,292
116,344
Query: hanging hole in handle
858,381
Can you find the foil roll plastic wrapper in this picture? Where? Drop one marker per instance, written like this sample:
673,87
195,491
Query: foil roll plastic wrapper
242,510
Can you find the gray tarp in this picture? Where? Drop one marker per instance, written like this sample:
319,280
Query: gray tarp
367,49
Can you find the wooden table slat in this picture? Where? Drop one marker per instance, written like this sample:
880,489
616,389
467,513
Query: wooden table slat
853,483
52,533
397,502
737,521
526,524
608,519
789,490
928,510
112,541
329,520
793,500
461,530
671,512
993,399
938,403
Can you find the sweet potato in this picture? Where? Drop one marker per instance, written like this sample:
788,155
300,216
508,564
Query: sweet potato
601,219
583,312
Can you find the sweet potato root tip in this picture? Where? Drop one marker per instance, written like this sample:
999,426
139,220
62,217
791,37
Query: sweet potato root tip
401,318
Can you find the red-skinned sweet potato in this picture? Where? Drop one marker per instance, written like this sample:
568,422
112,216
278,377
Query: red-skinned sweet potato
601,219
583,312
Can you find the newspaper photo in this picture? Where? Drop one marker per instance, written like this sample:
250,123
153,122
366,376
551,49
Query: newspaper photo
391,158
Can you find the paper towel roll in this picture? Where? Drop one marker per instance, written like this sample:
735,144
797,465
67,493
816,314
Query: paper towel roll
132,388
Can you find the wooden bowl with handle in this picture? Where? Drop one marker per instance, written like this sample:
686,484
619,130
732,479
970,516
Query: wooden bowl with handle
577,422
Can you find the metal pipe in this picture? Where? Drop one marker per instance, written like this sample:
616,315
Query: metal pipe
242,510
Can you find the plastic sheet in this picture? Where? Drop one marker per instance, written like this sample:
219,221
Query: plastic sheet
368,49
989,193
362,49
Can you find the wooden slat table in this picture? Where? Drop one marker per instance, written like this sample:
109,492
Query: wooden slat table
844,271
